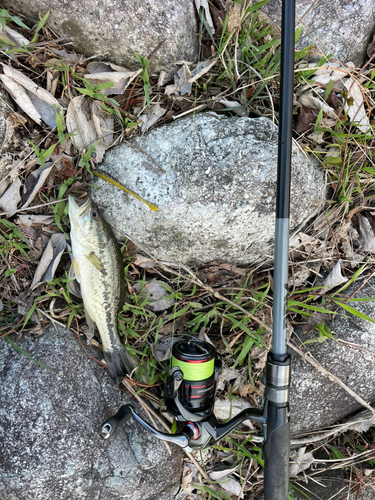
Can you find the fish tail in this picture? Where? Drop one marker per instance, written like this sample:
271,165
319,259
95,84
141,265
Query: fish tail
119,363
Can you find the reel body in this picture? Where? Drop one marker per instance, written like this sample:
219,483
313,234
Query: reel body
189,397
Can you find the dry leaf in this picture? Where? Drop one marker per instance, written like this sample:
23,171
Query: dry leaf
304,120
240,111
11,197
145,262
300,461
21,97
35,180
104,124
30,220
35,101
186,480
16,37
233,11
162,349
335,278
184,77
356,111
49,261
151,116
333,101
233,487
222,471
89,123
156,294
309,101
202,69
100,72
225,409
366,238
229,374
204,4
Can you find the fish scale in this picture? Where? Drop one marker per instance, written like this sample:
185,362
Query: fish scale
98,267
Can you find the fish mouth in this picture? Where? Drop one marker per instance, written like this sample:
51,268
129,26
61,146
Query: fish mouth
75,208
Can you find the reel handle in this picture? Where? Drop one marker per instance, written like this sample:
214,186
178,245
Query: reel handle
108,427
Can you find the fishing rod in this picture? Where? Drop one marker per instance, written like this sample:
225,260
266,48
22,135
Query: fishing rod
190,392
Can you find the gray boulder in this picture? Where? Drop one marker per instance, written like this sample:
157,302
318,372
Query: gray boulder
339,27
317,402
49,420
214,181
120,29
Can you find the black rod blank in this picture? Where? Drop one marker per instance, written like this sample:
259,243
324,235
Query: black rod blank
286,109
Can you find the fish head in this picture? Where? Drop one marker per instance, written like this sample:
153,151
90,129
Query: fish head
88,226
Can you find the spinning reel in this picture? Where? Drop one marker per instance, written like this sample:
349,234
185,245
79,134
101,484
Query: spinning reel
189,397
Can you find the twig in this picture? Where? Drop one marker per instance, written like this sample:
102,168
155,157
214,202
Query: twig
246,478
36,206
189,111
363,283
308,357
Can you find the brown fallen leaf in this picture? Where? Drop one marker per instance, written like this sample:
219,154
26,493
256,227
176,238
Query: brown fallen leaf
249,92
305,119
314,320
233,11
333,101
68,170
89,124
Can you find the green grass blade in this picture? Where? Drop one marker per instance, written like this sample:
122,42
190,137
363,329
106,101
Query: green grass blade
353,311
19,349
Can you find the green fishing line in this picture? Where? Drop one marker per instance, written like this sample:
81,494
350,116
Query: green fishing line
195,371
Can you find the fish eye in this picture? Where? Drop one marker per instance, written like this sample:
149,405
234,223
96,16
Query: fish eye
95,214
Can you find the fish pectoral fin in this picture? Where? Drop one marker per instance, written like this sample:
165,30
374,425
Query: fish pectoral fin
74,271
90,323
95,261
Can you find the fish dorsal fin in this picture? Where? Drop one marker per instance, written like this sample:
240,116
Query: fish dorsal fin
95,261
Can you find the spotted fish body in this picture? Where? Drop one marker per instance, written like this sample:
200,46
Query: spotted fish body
97,265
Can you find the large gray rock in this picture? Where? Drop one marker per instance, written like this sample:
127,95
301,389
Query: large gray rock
50,447
339,27
216,195
120,29
317,402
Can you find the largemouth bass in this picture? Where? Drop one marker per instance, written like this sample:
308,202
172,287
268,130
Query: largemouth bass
97,266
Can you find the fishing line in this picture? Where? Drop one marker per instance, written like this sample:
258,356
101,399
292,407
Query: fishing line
187,187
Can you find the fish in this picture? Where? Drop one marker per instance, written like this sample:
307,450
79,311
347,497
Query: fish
97,265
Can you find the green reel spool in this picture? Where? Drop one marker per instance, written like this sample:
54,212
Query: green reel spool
195,358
